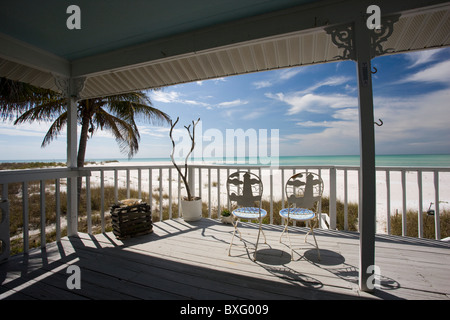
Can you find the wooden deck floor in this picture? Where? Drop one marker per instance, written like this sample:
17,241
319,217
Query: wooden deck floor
181,260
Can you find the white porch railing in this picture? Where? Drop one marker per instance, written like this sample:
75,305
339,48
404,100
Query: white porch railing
162,188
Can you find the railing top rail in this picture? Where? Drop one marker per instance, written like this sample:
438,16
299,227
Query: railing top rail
10,176
411,168
255,167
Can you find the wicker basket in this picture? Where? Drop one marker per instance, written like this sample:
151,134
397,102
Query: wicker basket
131,220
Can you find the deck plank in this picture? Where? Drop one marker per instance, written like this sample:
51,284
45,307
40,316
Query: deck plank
181,260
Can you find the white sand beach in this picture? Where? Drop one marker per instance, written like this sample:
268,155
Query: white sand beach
396,193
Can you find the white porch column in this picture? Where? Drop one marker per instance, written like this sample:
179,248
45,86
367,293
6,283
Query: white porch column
72,204
71,88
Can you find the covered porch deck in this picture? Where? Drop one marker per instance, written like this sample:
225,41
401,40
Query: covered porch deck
181,260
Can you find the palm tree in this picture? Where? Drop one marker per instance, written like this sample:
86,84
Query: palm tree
116,114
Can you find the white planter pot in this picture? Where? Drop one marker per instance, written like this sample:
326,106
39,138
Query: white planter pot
228,220
191,210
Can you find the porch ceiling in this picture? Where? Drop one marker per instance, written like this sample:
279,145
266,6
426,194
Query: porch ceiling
166,43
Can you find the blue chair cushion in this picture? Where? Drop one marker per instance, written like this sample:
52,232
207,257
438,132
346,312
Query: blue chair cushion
249,213
300,214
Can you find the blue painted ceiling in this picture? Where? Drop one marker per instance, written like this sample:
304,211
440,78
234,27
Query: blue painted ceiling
112,24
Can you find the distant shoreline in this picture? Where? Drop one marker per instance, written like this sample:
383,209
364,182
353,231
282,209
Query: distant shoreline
409,160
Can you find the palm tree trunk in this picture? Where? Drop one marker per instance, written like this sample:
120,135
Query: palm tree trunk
85,120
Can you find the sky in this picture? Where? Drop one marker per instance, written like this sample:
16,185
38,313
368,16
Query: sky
308,110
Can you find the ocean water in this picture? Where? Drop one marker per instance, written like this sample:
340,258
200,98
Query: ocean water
415,160
421,160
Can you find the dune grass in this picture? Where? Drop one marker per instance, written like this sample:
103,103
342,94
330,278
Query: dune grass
428,222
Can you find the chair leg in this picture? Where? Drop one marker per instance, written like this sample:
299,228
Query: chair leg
257,241
260,230
264,235
315,241
286,229
235,224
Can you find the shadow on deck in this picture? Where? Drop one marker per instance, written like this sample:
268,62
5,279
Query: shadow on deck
181,260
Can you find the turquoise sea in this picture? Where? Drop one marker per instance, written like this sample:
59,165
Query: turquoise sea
416,160
420,160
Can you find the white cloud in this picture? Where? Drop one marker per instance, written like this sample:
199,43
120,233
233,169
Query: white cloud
165,97
339,137
174,97
314,102
277,77
416,124
306,100
287,74
262,84
413,121
255,114
421,57
439,72
33,129
348,114
217,80
157,132
313,124
331,81
230,104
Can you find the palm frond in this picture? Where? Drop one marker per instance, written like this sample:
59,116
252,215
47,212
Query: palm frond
44,112
55,129
135,106
15,97
126,133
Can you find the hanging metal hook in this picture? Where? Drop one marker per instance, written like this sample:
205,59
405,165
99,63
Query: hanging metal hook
373,72
379,124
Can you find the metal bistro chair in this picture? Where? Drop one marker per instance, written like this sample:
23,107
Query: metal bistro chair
303,191
244,190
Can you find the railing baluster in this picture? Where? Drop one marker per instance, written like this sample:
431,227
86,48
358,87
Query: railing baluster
200,182
160,196
437,226
102,199
88,205
403,202
332,201
345,200
209,193
271,195
5,236
179,194
139,184
282,188
42,196
388,201
26,219
150,190
128,183
170,193
58,208
228,200
218,193
420,209
116,186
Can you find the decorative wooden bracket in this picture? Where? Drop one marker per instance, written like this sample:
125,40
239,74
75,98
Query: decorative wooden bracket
70,87
343,37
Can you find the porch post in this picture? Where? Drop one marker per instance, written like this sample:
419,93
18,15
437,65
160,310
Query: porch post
72,204
367,210
71,88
